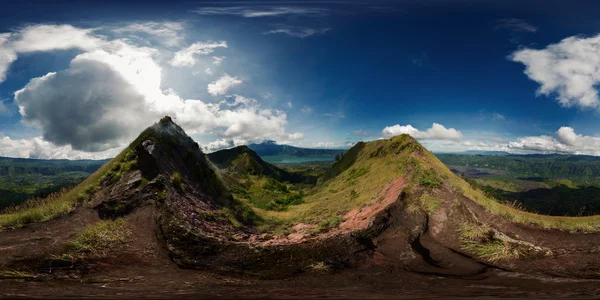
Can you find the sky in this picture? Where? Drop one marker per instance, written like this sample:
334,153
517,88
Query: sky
80,80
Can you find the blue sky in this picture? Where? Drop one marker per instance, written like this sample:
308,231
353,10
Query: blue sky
80,80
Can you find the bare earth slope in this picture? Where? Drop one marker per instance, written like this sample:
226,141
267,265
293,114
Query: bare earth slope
180,232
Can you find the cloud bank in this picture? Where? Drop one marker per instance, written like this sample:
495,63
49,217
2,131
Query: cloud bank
436,132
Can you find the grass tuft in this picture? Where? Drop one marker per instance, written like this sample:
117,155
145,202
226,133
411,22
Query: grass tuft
320,267
96,240
478,239
430,203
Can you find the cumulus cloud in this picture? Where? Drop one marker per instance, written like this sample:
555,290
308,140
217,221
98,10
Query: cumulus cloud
566,141
223,84
257,12
208,71
570,69
39,148
218,144
67,106
436,132
187,57
110,93
170,33
298,31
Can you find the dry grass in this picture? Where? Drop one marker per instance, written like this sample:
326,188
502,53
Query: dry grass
96,240
478,240
15,274
320,267
430,203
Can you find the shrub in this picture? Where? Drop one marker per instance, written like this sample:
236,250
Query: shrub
176,181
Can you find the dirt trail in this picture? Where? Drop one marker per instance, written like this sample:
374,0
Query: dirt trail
35,240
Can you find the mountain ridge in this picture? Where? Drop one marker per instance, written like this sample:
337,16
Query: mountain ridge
385,204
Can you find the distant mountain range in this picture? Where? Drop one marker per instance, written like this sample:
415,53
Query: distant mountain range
271,148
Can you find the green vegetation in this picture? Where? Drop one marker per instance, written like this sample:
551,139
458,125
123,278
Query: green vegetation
176,181
535,165
328,224
23,179
56,204
545,184
354,181
97,239
429,203
269,194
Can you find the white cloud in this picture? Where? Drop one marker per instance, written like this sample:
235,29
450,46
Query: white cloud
298,32
208,71
570,69
295,136
170,33
39,148
237,100
55,37
223,84
566,141
256,12
289,104
44,38
324,145
110,93
7,55
515,25
218,144
187,57
217,60
89,85
436,132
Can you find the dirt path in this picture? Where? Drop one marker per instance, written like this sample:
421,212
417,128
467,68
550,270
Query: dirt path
365,283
